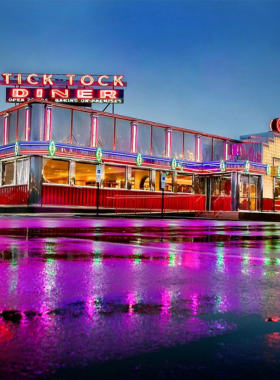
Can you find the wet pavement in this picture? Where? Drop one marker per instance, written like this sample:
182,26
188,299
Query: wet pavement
125,299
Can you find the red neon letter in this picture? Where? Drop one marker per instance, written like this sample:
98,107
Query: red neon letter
19,93
29,79
62,94
99,80
70,76
7,76
47,79
108,94
84,94
118,80
19,79
91,80
39,93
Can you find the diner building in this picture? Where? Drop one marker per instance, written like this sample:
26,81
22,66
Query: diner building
49,153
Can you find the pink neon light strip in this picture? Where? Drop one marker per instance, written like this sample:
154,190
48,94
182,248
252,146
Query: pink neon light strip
198,148
27,120
134,137
6,129
226,151
168,143
48,123
94,132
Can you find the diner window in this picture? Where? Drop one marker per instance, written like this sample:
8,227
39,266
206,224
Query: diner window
168,181
21,125
189,147
56,171
158,140
22,172
184,183
85,174
114,177
105,132
61,125
206,148
218,149
144,138
37,122
12,128
177,144
1,130
140,179
8,174
123,135
81,128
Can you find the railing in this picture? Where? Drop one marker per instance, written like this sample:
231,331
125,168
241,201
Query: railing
199,205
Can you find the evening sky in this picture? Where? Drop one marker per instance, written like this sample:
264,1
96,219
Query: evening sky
210,66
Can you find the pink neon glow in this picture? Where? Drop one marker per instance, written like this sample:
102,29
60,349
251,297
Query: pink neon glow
134,137
168,144
226,150
6,129
198,148
27,119
94,131
48,123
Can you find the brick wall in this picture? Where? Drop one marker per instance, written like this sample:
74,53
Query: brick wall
269,152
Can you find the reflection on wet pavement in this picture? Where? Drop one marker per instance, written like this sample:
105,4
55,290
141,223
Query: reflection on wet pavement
81,294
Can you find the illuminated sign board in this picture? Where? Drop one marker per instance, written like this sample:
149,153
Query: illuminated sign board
47,80
79,89
65,95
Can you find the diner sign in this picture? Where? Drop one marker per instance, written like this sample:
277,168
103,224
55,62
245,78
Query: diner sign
81,89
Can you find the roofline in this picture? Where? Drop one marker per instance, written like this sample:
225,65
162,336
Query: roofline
77,108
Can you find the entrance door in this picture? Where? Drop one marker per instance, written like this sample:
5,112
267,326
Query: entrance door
221,193
249,193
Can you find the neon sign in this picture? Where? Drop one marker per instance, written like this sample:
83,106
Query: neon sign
42,80
52,148
65,95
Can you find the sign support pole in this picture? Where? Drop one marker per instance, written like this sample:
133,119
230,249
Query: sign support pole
162,202
97,199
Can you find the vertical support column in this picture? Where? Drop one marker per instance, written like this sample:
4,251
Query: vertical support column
48,123
174,181
93,132
72,173
1,165
35,181
198,149
15,173
152,179
128,178
71,127
226,150
6,126
27,124
134,126
234,191
260,195
168,143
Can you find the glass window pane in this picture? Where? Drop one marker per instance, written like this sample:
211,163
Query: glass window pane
37,122
105,132
81,128
56,171
21,124
244,187
12,128
22,172
184,183
1,130
144,139
218,149
177,144
206,148
158,142
168,182
85,174
114,176
61,125
199,185
140,179
189,146
8,174
123,135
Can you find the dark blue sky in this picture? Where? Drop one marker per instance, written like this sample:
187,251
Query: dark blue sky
206,65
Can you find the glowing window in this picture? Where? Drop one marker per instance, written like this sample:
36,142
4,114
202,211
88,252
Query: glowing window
140,179
184,183
85,174
168,182
8,174
114,177
56,171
